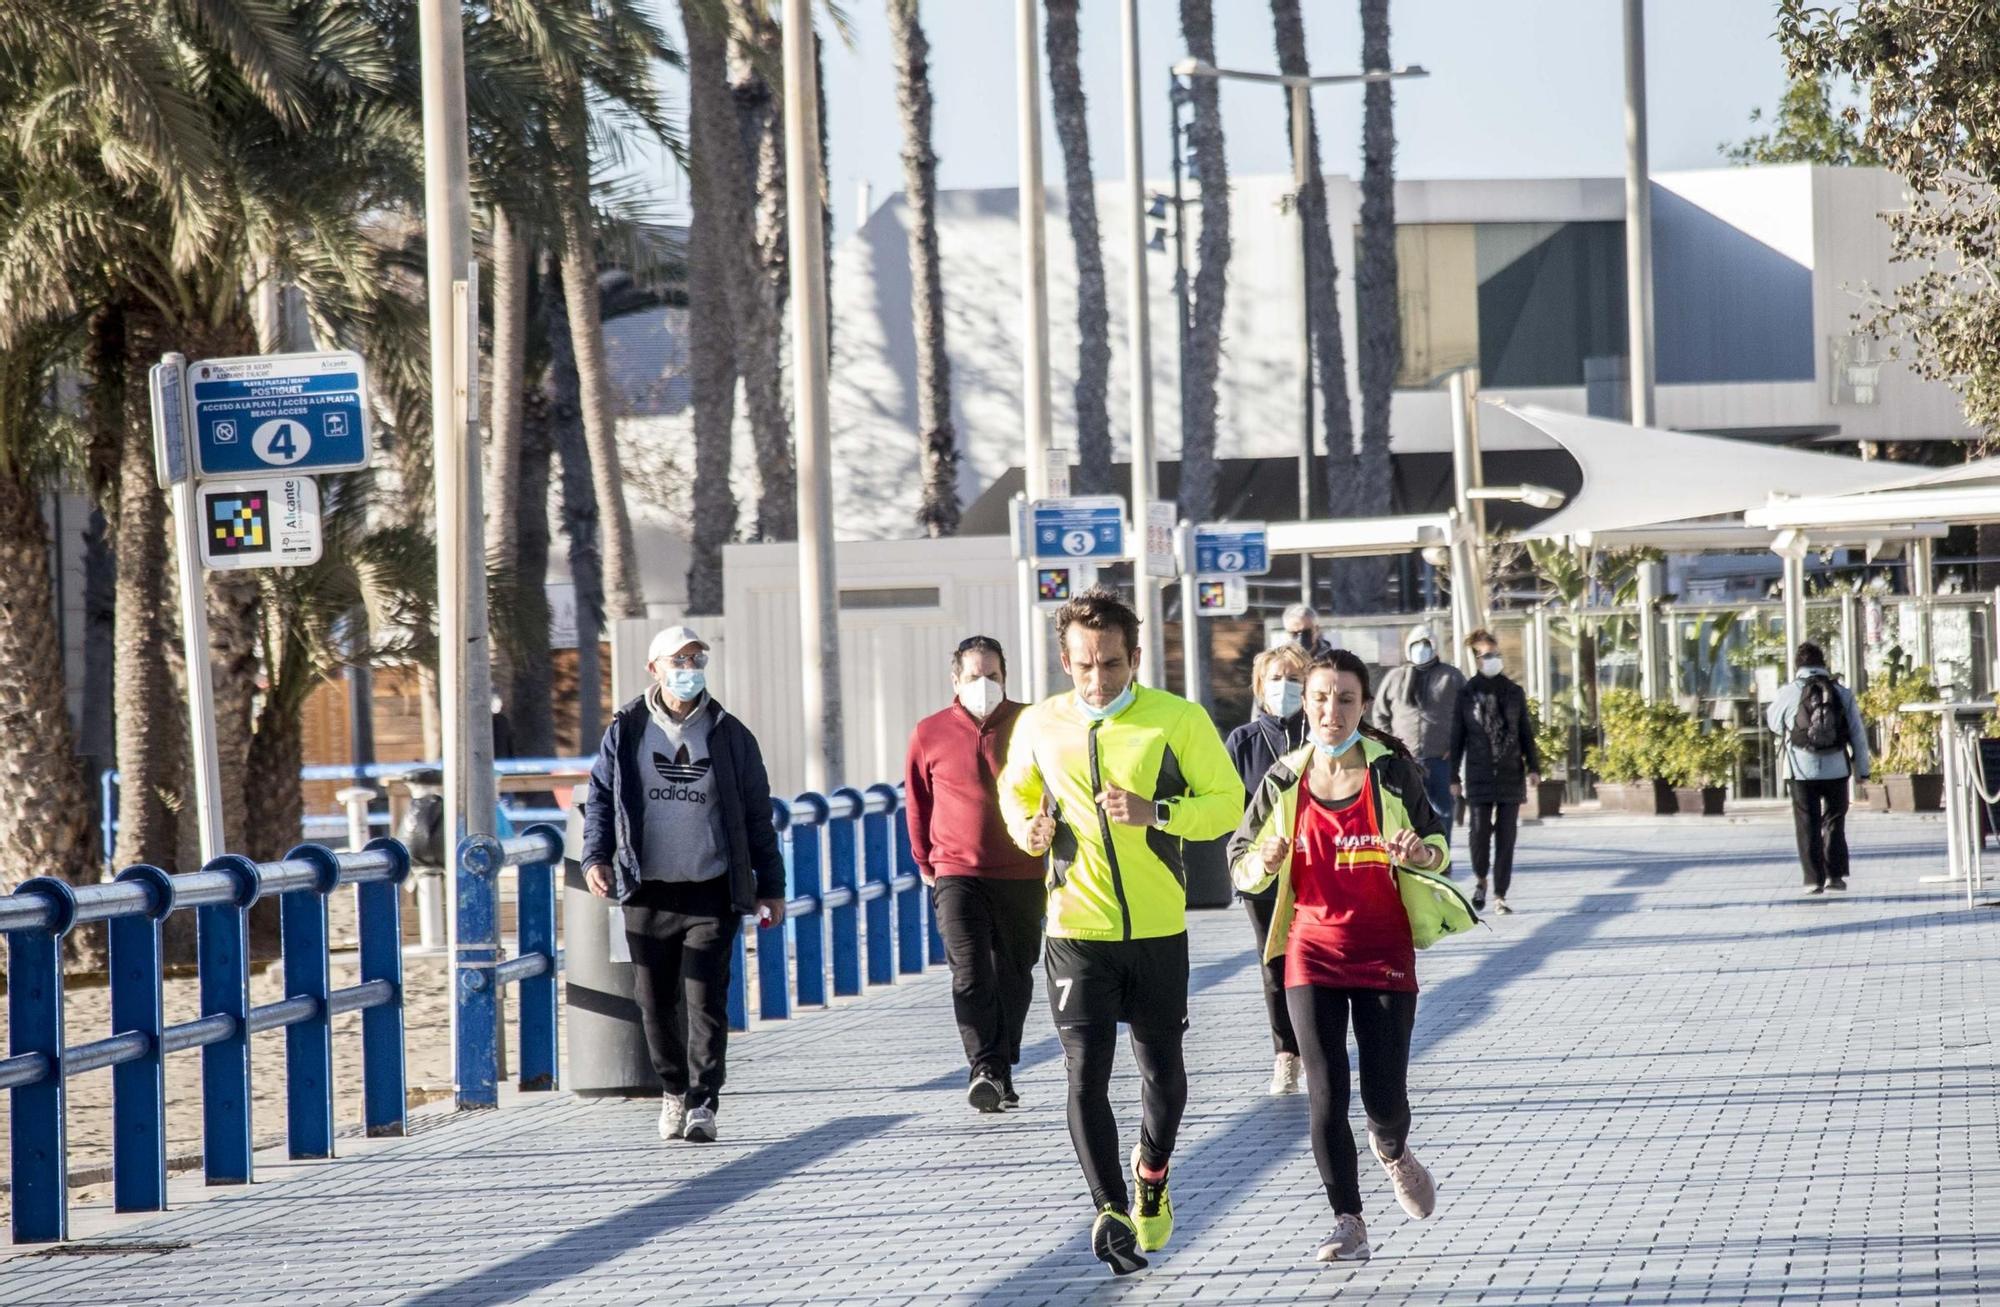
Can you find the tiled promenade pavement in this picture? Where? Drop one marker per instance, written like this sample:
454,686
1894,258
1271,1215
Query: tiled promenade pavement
1666,1079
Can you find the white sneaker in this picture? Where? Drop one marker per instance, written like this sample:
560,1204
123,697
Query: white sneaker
700,1127
1500,906
1285,1074
673,1116
1347,1243
1415,1189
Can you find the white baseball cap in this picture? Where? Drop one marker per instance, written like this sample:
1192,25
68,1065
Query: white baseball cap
671,641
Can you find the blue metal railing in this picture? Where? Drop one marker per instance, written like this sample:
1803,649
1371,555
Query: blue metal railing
481,973
37,917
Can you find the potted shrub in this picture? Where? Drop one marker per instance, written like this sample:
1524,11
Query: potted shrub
1629,763
1552,742
1701,764
1906,765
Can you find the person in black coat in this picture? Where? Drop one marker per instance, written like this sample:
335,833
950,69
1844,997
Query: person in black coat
1494,763
1277,726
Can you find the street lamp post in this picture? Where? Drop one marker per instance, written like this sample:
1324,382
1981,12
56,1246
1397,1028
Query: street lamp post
1034,324
1298,92
1152,648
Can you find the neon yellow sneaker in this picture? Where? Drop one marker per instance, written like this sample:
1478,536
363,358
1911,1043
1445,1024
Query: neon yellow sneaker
1115,1240
1155,1219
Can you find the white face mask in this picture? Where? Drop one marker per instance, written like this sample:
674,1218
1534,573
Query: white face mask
1282,697
1491,665
981,696
1423,653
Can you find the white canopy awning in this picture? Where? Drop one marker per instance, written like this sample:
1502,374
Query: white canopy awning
1644,476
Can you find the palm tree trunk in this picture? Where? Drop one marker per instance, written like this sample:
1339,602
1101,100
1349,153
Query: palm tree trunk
528,698
762,285
624,589
714,230
503,451
1202,367
579,509
1093,311
276,812
938,513
1375,296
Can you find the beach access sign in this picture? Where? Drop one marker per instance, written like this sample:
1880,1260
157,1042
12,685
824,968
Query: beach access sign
290,413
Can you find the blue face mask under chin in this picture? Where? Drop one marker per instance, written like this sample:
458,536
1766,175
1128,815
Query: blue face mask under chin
1336,750
686,684
1109,710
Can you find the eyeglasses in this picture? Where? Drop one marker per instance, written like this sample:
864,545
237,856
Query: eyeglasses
688,662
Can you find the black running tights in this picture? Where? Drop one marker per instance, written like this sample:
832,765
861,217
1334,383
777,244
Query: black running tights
1382,1024
1088,1051
1494,827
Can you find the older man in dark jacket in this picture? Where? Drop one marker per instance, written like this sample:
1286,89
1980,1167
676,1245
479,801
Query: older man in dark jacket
1495,763
1416,703
678,829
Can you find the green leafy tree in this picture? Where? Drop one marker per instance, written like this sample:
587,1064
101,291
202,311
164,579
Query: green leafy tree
1805,129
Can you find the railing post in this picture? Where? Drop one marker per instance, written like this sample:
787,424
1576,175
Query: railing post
37,1125
877,851
478,1052
224,956
773,955
378,905
309,1044
809,931
739,984
536,933
107,785
139,1089
910,900
842,835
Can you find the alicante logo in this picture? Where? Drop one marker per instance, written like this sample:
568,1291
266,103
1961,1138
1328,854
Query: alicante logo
678,770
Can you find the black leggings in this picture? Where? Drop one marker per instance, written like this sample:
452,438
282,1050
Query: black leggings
1494,826
1087,1052
1382,1024
1282,1038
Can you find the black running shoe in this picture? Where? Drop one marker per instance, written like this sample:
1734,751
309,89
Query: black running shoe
984,1093
1008,1098
1838,883
1116,1242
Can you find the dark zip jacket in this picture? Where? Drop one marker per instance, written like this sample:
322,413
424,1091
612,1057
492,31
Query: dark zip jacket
614,820
1253,747
1493,741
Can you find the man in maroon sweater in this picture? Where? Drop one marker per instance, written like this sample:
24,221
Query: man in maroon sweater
989,894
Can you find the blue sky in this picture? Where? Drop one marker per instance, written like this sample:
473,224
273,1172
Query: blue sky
1518,88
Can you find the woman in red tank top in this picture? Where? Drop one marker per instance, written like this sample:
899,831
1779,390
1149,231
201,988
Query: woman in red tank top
1349,953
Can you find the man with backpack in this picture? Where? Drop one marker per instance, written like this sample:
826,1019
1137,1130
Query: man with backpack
1825,743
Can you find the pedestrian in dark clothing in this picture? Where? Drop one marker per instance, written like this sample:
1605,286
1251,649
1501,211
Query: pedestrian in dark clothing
1494,763
1276,728
1819,723
988,893
1417,704
678,829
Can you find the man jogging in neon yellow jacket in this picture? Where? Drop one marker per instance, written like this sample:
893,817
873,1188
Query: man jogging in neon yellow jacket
1108,781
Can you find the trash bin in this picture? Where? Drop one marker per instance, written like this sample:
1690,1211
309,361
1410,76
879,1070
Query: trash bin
607,1045
423,835
1207,866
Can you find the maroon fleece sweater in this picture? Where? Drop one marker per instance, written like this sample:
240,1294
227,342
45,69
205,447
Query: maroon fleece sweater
951,789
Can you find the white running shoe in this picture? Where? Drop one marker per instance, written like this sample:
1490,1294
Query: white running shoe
1347,1243
700,1127
1285,1074
1500,906
673,1116
1415,1189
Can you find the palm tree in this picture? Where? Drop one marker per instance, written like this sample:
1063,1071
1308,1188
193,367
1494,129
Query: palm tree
1093,311
1375,297
714,226
938,441
1202,365
1322,288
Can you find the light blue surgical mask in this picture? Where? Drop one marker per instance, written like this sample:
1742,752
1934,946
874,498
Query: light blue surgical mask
1282,697
1109,710
1423,653
686,683
1335,750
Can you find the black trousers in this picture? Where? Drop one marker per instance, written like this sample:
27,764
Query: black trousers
1494,828
992,937
1382,1023
1088,1051
1819,815
681,936
1283,1040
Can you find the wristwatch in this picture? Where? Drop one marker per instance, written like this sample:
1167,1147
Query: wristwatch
1162,813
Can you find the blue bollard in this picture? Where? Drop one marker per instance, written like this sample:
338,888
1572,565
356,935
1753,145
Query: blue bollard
378,905
773,957
878,846
536,934
478,1053
843,847
909,901
139,1088
37,1122
222,947
739,988
809,931
309,1044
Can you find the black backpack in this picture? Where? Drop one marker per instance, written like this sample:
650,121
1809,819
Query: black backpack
1820,724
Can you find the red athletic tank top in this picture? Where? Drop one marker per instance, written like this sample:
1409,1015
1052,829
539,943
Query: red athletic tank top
1349,930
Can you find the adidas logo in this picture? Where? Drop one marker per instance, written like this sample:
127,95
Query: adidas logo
678,770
